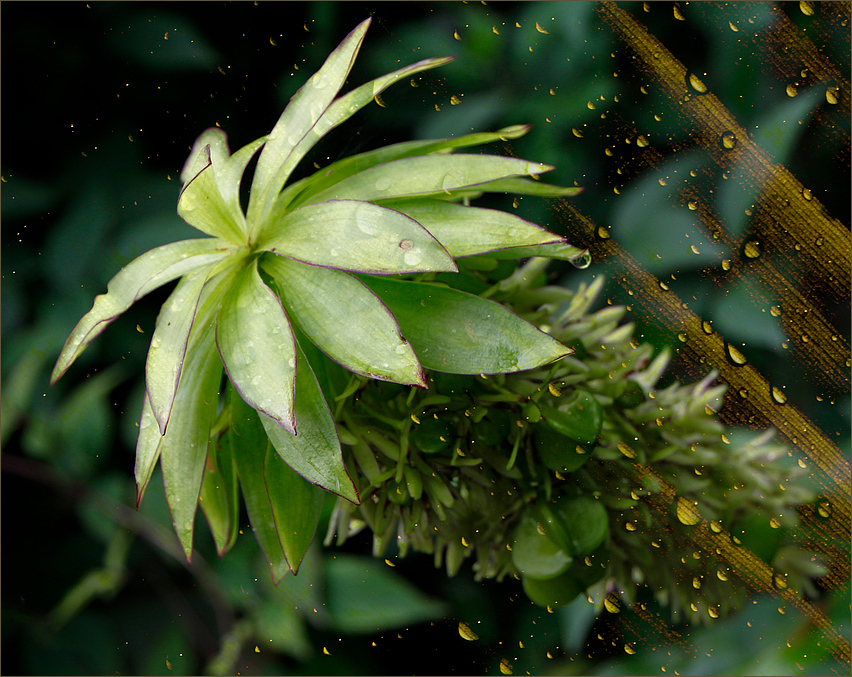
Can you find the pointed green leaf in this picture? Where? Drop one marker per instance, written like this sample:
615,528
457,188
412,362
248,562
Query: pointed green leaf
183,450
296,504
466,231
298,193
219,499
147,449
435,174
284,147
248,443
322,301
168,345
514,185
357,236
457,332
257,347
314,452
142,275
555,250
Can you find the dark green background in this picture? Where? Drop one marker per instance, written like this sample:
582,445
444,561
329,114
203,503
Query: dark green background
99,112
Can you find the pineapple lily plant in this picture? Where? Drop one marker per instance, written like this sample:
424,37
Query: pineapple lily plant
377,341
296,272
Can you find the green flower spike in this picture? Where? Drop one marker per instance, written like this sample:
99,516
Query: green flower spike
306,255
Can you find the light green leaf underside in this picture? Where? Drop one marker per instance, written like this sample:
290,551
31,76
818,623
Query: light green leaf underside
142,275
283,150
199,158
257,347
301,191
219,498
147,449
456,332
516,186
202,206
357,236
183,449
466,231
322,301
314,452
428,175
296,505
168,345
248,442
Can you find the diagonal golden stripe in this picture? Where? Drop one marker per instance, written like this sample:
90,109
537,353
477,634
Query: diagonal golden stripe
788,212
756,573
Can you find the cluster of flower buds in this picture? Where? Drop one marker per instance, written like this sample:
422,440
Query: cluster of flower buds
576,477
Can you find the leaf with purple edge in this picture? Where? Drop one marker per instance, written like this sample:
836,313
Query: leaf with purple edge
219,498
139,277
315,451
357,236
257,347
322,300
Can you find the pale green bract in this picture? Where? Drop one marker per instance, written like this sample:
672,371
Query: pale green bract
285,271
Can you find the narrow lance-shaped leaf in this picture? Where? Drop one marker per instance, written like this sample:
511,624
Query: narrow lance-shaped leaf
168,345
466,231
428,175
296,504
357,236
147,449
315,452
248,443
142,275
321,301
183,450
457,332
301,191
219,498
257,347
280,155
515,186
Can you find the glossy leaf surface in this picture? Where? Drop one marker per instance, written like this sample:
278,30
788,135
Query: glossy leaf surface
219,498
324,300
461,333
540,549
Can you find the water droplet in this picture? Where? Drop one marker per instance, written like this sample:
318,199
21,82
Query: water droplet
824,509
602,232
733,27
642,141
406,244
383,183
682,337
320,80
694,250
706,327
333,252
412,257
791,90
629,649
735,356
456,35
576,132
687,513
726,264
778,395
714,613
775,311
540,528
505,666
728,140
630,526
695,83
715,527
696,583
664,286
832,95
466,633
612,604
677,13
582,262
819,242
802,463
692,205
454,100
775,523
751,249
663,182
807,194
292,362
807,8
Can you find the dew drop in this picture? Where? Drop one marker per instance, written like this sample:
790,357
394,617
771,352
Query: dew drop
687,513
824,509
292,362
576,132
696,583
791,90
694,250
630,526
692,205
383,183
778,395
728,140
775,523
406,244
629,649
642,141
775,311
713,612
819,242
677,13
715,527
807,7
807,194
832,95
456,35
608,152
466,633
612,604
735,356
663,182
707,327
454,100
751,249
413,257
733,27
582,262
664,286
602,232
695,83
726,264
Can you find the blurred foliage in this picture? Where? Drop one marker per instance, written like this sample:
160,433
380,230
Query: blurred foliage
102,103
